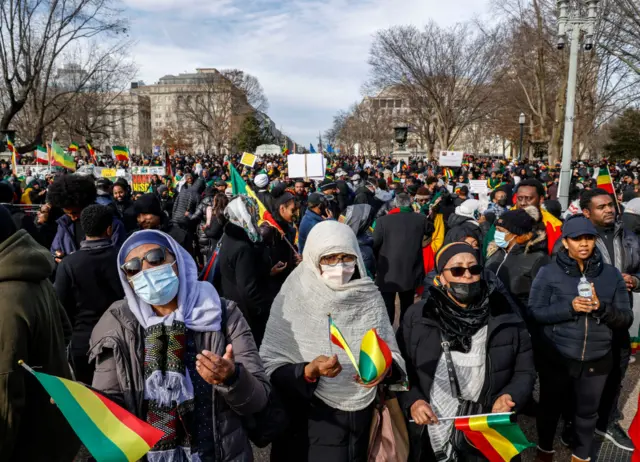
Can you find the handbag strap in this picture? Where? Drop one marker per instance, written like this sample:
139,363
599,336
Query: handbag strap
451,370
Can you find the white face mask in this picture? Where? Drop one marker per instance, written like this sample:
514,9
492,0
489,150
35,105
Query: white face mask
340,273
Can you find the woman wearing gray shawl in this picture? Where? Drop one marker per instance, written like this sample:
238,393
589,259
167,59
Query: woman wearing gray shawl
329,408
161,354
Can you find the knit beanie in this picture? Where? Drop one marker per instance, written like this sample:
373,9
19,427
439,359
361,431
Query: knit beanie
517,222
447,252
633,207
148,204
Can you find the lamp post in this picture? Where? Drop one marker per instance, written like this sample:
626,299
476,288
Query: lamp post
522,119
575,24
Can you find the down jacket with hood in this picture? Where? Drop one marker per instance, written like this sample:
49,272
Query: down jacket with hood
579,336
510,369
470,226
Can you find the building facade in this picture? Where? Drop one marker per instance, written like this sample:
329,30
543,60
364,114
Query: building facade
204,108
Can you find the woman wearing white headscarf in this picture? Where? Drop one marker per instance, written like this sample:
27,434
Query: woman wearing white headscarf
162,354
330,410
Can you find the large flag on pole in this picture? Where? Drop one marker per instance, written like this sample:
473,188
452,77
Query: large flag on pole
109,432
603,178
59,158
42,155
120,152
14,156
239,186
312,150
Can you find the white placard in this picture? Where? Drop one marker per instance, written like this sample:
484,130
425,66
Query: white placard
268,150
451,158
306,165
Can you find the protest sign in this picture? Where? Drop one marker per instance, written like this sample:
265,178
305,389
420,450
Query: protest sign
140,183
451,158
248,159
306,165
143,170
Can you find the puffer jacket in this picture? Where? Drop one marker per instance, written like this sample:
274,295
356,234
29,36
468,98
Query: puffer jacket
509,368
469,225
579,336
117,346
200,217
187,201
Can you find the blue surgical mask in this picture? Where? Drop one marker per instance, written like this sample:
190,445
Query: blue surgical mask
156,286
500,238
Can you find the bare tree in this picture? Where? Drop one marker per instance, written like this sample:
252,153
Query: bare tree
454,68
621,20
250,86
34,37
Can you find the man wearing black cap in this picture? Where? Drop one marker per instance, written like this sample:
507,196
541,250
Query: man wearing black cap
33,328
316,213
149,215
220,186
329,189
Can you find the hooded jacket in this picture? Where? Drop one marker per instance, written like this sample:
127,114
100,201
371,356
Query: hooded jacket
579,336
34,328
469,225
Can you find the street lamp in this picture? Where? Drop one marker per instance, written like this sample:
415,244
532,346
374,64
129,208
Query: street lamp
574,23
521,120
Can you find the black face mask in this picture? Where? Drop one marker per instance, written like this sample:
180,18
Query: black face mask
466,293
502,202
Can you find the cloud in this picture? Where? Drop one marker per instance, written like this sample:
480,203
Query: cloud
310,56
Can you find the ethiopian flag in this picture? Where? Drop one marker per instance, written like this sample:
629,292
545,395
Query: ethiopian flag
59,158
239,186
336,337
73,147
110,433
494,435
603,178
120,152
375,357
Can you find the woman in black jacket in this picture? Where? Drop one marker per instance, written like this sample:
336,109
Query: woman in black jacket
123,206
575,334
489,344
244,265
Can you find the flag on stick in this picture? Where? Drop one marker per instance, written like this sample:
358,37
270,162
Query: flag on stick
120,152
285,151
59,158
14,156
338,339
495,435
603,179
73,147
110,433
92,152
239,186
375,357
312,150
42,155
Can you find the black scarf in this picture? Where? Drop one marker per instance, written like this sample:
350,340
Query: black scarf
459,324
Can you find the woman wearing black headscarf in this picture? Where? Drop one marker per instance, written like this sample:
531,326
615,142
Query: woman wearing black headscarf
489,345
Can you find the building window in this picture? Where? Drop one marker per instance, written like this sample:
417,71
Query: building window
398,103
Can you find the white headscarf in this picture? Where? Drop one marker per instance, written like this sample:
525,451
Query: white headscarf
298,329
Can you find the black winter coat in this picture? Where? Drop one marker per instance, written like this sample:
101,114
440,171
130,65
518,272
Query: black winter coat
397,243
519,268
470,226
125,212
509,368
200,217
87,283
244,271
579,336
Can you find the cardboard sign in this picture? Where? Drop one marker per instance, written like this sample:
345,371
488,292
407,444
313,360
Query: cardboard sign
248,159
451,158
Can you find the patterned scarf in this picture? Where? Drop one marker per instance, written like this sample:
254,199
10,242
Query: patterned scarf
169,391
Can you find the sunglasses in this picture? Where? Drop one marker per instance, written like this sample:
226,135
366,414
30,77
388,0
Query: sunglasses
155,257
459,271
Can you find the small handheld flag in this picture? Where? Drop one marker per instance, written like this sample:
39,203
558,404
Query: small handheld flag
603,179
110,433
495,435
375,357
337,338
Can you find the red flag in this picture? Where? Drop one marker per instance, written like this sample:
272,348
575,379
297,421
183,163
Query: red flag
634,434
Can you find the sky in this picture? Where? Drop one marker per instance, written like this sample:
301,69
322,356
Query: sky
309,55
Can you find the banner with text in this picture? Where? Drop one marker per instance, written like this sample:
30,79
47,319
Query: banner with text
451,158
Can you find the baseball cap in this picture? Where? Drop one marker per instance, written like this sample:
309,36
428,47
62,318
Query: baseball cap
577,226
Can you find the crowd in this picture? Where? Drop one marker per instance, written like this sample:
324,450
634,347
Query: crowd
204,312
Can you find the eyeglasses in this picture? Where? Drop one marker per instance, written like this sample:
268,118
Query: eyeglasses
333,260
459,271
155,257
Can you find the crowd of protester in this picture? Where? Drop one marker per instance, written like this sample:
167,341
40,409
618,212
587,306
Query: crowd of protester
188,308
